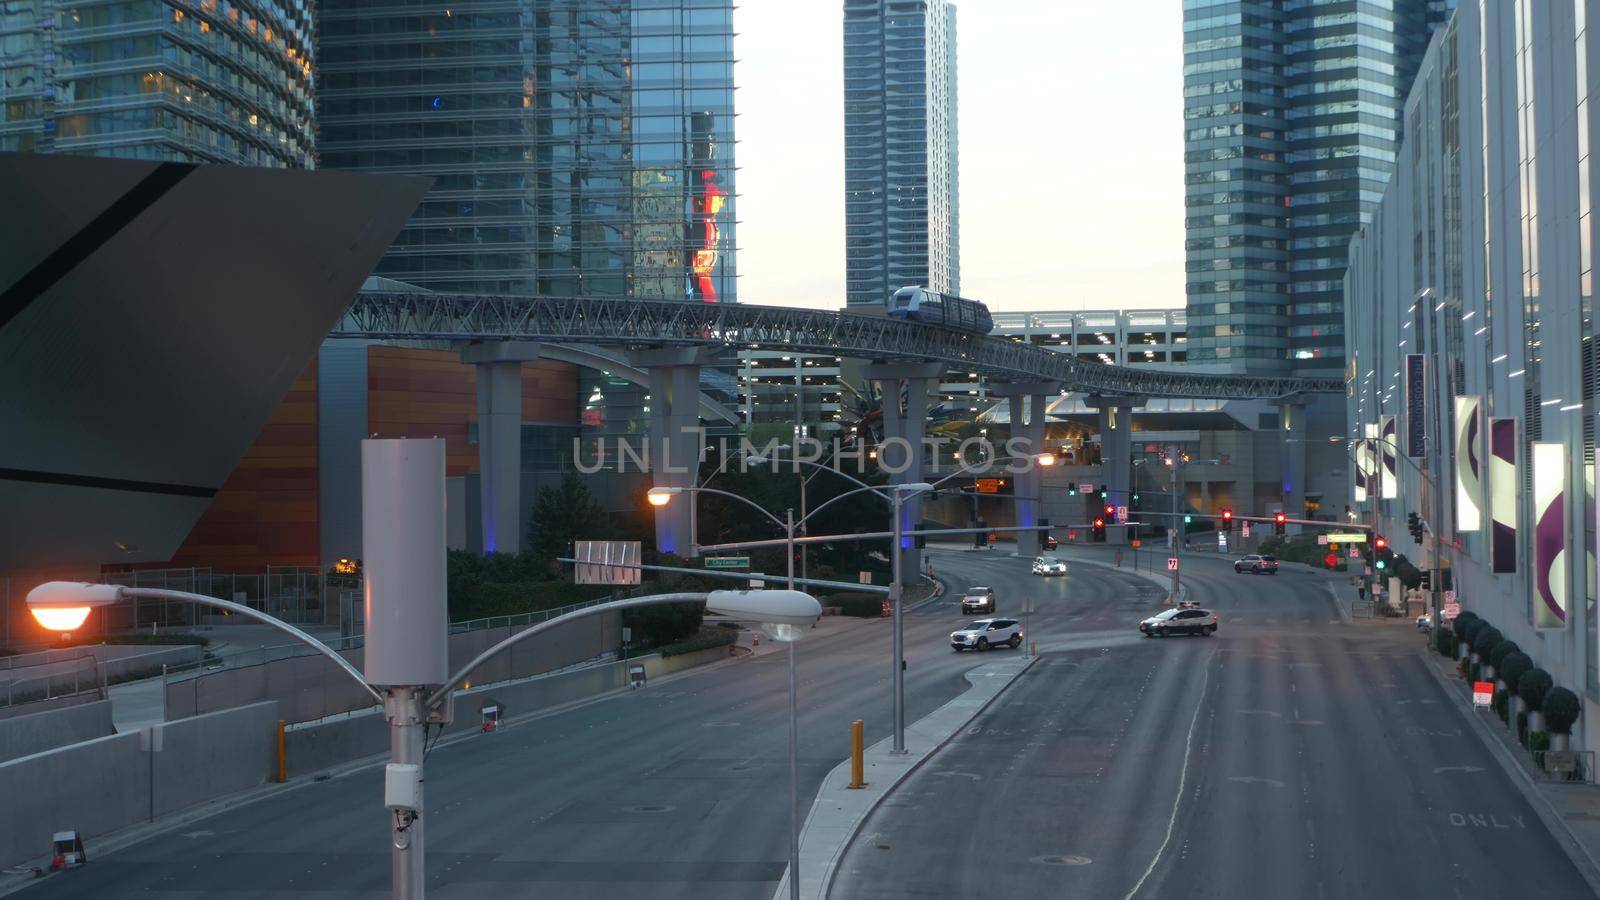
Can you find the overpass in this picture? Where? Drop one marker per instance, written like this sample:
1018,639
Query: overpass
669,341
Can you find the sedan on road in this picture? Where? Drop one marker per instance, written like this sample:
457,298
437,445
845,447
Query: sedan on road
986,633
1257,565
1180,621
1050,542
1049,565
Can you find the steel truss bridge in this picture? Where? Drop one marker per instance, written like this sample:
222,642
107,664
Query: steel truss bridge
649,323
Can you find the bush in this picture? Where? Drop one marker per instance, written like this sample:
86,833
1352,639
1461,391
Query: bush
1470,630
1465,617
1484,639
1538,741
656,626
858,604
1512,667
1499,705
1445,642
1532,687
705,639
1500,651
1522,727
1560,710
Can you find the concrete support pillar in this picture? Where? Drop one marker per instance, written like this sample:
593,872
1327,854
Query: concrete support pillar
499,371
1116,444
1294,432
902,455
500,454
1028,431
676,439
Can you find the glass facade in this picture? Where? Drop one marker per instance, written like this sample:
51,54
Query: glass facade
579,148
209,81
901,205
1292,113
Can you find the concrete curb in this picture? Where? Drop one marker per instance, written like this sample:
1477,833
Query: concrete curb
1162,580
838,812
1585,861
1340,608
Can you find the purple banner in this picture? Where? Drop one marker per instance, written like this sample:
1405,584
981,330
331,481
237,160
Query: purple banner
1551,582
1504,489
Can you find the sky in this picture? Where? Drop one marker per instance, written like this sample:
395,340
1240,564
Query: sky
1071,153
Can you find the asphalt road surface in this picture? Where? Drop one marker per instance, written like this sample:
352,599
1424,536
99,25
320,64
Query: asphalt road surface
675,791
1290,755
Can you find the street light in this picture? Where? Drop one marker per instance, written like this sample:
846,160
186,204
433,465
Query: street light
62,605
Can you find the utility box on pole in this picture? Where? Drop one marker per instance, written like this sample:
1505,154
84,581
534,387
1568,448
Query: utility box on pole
403,550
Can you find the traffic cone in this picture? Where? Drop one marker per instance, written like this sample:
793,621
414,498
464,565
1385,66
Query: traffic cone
757,641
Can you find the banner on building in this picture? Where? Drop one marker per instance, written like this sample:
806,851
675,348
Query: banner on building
1551,584
1364,479
1504,486
1469,464
1388,440
1416,383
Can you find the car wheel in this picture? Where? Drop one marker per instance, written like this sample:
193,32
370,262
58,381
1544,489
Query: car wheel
1016,641
983,644
1210,630
957,649
1237,570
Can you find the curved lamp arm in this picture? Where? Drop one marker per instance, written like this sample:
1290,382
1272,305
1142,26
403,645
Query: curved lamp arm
834,499
745,500
259,616
456,680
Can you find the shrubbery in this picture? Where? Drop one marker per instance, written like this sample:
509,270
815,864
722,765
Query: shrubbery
1533,686
1469,629
1512,667
1560,710
1484,639
1500,706
859,604
1500,651
704,639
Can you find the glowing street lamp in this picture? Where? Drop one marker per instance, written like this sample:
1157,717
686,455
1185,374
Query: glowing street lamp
64,606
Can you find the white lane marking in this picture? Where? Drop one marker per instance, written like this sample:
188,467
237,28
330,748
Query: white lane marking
1183,778
1443,769
1251,779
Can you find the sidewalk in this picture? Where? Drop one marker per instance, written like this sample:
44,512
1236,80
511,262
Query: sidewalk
838,811
1570,811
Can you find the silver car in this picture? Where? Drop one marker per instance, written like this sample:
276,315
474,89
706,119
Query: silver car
1049,565
986,633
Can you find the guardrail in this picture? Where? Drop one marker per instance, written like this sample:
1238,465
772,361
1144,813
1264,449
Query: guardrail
1564,766
53,685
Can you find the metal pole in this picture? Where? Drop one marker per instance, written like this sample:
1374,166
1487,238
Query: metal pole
1437,462
407,734
896,594
804,529
794,751
1178,531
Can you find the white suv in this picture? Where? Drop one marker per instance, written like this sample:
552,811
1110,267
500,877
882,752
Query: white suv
986,633
978,599
1049,565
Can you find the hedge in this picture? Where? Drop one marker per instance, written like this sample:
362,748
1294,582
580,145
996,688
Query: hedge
1513,667
1500,651
707,638
1532,687
859,604
1484,640
1560,710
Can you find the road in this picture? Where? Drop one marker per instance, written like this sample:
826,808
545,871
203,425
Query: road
675,791
1291,755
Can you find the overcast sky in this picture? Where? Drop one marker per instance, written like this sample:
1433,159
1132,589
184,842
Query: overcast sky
1071,153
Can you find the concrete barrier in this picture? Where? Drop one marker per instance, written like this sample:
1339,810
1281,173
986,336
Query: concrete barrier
26,735
37,706
101,785
93,787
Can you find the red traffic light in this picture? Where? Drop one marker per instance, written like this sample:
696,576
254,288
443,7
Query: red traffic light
1110,510
1099,523
1331,560
1280,518
1227,515
1380,542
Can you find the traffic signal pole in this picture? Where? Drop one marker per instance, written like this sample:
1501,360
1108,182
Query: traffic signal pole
1178,532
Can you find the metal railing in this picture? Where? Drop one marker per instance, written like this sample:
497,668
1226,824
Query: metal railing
1564,766
78,679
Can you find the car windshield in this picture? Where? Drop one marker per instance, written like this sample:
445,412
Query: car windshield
979,625
1163,616
1050,561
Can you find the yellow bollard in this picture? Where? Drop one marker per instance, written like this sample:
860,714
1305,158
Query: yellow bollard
283,757
858,743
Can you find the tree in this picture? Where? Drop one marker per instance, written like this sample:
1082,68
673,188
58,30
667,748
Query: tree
1560,710
1484,639
1513,667
562,515
1532,687
1499,652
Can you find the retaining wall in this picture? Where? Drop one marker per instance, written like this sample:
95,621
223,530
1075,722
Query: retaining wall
104,784
36,732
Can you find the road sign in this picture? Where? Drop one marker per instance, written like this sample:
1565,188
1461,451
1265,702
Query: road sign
1352,537
1086,489
1482,693
1561,762
1122,514
1322,539
1136,543
1451,610
727,562
604,562
988,485
1244,529
1354,553
1222,542
1172,564
865,577
1449,596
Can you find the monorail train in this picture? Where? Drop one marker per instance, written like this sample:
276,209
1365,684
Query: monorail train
933,308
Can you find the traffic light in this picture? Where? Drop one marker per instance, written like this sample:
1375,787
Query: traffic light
1414,523
1188,519
1103,492
1072,490
1100,530
1278,521
1380,543
1133,503
1427,580
1111,511
1227,519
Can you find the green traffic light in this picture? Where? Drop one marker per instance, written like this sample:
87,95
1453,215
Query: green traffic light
1380,564
1188,520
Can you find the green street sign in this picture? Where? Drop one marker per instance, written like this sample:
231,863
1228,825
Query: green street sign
727,562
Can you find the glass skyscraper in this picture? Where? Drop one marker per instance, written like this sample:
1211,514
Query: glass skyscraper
902,211
1292,118
580,147
209,81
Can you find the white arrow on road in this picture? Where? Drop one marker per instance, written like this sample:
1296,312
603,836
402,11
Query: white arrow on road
1251,779
1261,712
1443,769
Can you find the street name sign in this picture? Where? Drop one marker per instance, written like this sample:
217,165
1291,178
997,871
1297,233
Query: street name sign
727,562
1341,537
